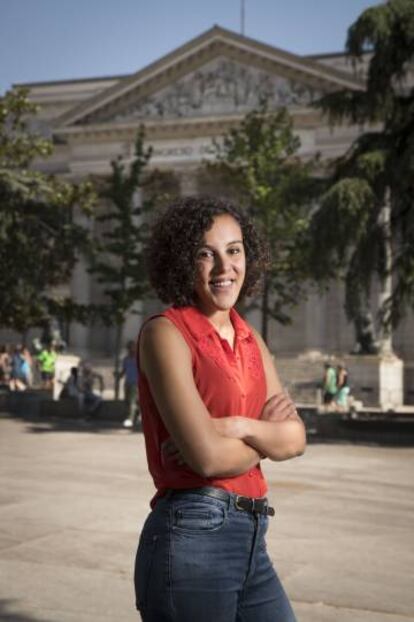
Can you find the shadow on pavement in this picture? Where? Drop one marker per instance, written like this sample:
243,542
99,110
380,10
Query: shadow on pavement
8,616
43,414
42,425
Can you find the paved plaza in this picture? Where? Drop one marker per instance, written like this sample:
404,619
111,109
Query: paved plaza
74,495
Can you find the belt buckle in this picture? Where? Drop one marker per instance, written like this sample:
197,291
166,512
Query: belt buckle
248,504
238,503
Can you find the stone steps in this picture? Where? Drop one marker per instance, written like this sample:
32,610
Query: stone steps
302,378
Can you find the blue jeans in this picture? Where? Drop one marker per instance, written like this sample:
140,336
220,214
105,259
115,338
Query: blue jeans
200,559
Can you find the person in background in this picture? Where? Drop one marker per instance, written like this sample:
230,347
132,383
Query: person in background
342,395
88,377
30,365
71,388
47,363
5,365
20,373
329,385
130,373
212,408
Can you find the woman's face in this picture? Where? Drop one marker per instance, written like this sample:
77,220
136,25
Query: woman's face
221,266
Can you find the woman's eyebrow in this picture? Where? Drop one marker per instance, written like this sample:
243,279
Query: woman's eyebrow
227,244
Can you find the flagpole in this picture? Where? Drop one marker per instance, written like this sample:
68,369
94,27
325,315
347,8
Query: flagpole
242,15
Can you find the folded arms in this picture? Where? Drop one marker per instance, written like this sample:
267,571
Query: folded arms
214,447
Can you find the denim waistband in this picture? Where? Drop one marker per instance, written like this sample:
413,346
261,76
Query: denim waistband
259,505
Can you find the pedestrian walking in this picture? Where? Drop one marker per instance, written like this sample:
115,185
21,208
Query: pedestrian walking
212,409
343,389
329,385
130,374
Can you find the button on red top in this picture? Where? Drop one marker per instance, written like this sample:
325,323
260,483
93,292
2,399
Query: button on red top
229,382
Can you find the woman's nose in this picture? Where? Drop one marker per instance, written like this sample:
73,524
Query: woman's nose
221,263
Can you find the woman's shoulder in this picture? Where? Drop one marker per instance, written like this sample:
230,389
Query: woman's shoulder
161,344
160,331
172,320
156,326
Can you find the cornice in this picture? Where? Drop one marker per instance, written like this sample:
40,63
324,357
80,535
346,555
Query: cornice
303,118
293,61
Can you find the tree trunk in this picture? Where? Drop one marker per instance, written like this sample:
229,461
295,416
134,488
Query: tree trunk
265,310
118,344
385,331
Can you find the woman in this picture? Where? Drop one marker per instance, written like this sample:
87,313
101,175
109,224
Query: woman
341,397
212,408
20,376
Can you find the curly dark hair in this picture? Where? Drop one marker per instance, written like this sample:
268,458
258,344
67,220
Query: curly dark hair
177,235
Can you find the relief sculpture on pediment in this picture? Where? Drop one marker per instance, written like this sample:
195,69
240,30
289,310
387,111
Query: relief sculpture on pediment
222,87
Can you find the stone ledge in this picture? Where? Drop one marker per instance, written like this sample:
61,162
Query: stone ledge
40,403
370,425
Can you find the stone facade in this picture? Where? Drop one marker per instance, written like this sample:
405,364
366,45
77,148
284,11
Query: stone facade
186,99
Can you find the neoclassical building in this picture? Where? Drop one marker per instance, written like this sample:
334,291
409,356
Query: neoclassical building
186,99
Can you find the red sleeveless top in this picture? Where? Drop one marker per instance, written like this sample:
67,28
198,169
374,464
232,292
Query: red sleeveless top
230,382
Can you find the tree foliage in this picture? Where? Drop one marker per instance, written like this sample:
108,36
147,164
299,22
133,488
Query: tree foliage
260,162
39,241
349,235
117,259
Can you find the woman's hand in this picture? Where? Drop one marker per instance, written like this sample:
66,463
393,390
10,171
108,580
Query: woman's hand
278,408
170,454
231,427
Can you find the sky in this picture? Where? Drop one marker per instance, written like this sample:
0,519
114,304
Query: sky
46,40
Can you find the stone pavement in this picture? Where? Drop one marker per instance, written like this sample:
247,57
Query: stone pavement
74,495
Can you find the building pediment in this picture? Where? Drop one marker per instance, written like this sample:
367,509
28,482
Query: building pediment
221,87
217,74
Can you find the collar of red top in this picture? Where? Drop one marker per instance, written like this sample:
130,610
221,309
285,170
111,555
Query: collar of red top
199,326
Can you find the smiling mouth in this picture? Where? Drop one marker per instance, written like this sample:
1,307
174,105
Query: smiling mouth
222,284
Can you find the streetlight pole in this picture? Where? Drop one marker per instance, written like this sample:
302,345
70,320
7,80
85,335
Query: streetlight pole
242,16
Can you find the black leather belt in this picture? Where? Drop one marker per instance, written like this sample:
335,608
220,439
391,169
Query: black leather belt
243,504
254,506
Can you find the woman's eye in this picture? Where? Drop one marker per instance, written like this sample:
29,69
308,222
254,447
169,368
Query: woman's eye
204,254
234,251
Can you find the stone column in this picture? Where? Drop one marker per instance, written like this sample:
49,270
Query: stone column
81,292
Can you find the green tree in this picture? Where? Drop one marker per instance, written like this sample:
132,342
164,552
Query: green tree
117,259
258,162
364,229
39,240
